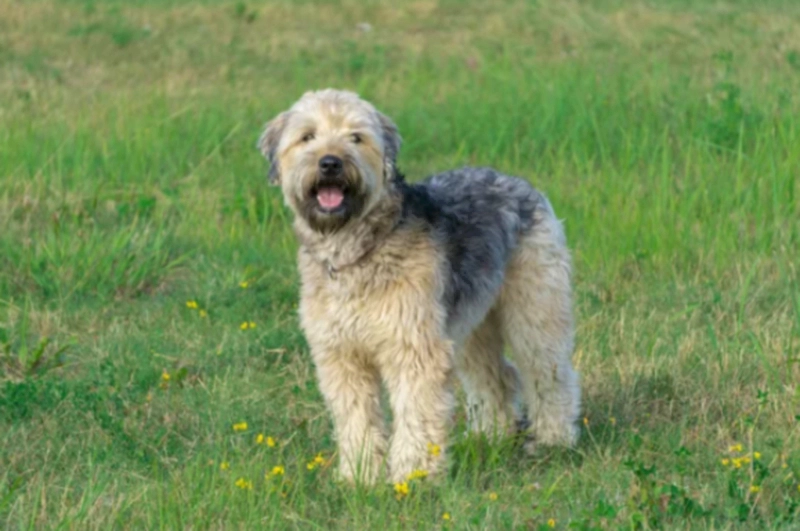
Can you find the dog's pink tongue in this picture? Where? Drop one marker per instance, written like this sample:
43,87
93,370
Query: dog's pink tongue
330,197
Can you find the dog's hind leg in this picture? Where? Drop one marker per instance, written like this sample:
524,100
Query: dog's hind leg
535,311
490,381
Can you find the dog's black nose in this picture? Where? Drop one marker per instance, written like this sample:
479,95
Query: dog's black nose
330,165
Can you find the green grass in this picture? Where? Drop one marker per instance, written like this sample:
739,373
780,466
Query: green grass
666,134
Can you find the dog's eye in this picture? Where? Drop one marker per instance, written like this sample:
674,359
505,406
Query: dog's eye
308,137
356,138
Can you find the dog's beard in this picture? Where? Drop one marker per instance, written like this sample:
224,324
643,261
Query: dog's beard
328,203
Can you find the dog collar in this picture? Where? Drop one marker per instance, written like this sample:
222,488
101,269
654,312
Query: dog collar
331,270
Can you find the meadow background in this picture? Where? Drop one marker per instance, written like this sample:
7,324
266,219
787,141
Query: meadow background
148,288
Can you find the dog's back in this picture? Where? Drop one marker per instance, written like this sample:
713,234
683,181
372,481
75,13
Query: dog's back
478,216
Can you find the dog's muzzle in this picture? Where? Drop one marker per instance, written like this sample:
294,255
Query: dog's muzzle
335,196
331,187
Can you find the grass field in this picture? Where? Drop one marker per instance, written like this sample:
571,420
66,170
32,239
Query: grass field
138,235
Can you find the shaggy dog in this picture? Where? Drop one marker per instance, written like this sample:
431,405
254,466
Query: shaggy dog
406,285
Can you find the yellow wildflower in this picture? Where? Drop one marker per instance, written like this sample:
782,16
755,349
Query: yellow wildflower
270,442
224,465
401,489
192,305
317,461
165,376
244,484
259,438
240,426
247,325
737,462
446,516
725,461
434,449
735,448
613,421
277,470
755,488
745,460
756,455
551,523
243,284
417,474
493,496
203,313
585,421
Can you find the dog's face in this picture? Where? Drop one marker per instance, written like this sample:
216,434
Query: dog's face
333,155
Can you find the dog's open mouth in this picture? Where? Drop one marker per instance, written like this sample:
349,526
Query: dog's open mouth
331,194
331,202
330,197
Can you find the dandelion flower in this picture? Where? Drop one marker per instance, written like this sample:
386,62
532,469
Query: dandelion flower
247,325
203,313
401,489
755,488
446,516
493,496
165,376
243,284
224,465
244,484
737,462
585,421
417,474
317,461
434,449
270,442
240,426
735,448
192,305
756,455
278,470
551,523
725,461
260,438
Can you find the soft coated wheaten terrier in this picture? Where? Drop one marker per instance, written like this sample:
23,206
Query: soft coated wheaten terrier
407,284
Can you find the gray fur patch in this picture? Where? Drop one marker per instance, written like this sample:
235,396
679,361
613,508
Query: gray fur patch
477,215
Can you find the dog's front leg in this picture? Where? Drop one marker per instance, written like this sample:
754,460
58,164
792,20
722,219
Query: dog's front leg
419,385
351,388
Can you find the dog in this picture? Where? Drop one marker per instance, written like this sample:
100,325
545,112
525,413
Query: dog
408,285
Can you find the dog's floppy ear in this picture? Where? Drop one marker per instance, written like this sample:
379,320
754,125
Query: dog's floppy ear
268,144
391,145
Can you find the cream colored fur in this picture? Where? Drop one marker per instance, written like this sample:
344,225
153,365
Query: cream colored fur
370,309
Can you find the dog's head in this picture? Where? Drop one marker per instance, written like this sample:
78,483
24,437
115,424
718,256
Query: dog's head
333,155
